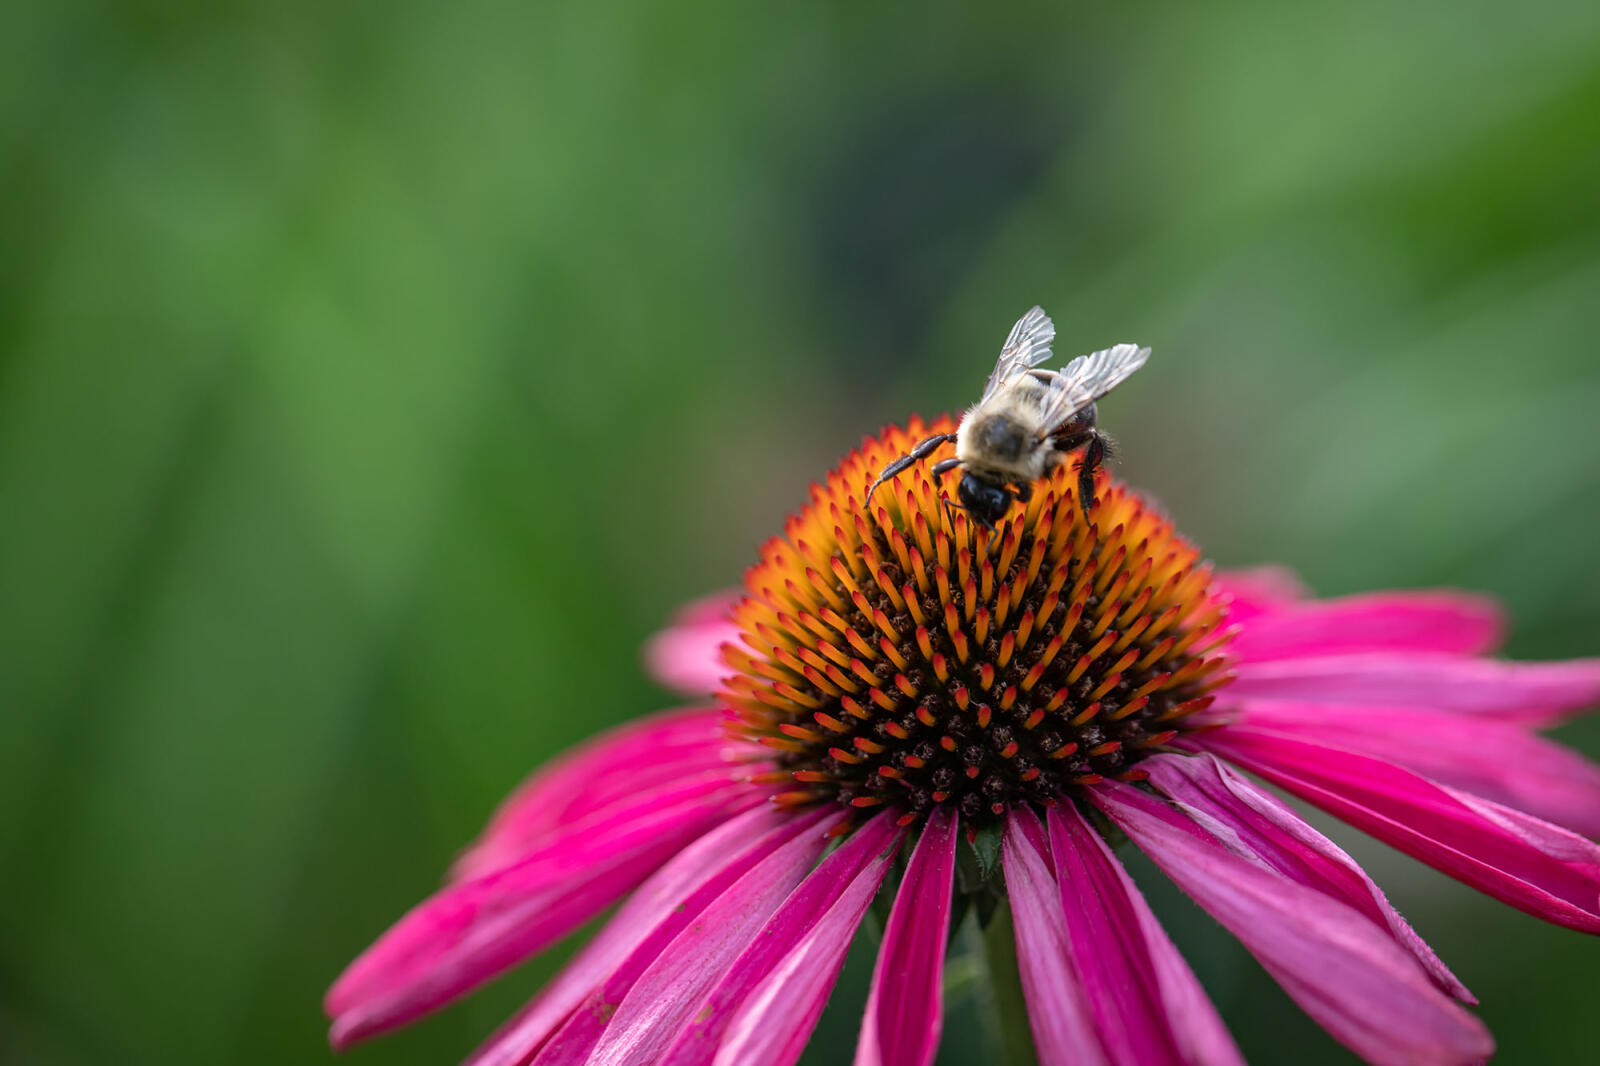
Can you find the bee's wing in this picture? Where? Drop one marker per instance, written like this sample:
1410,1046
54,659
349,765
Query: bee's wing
1026,347
1086,379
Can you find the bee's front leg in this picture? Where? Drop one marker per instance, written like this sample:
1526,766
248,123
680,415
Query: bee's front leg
916,455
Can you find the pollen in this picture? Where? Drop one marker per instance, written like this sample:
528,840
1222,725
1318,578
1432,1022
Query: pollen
900,655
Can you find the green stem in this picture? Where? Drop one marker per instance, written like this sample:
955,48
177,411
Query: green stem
1004,1008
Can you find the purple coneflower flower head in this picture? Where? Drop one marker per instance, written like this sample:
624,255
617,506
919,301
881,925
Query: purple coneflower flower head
898,682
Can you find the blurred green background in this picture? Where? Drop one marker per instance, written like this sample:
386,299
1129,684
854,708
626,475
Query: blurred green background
375,377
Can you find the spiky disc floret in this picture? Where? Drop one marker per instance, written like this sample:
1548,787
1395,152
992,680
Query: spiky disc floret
902,655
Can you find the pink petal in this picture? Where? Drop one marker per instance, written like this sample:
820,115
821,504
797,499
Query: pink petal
774,993
1489,758
667,994
654,914
1342,969
615,765
1148,1007
1536,867
1058,1007
472,931
687,654
1436,621
1258,591
1255,825
905,1009
1542,693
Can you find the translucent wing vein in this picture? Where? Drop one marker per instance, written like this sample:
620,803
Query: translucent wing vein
1027,346
1086,379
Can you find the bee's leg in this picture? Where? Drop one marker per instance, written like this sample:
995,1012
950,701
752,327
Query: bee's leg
929,446
917,454
1079,432
1093,457
938,470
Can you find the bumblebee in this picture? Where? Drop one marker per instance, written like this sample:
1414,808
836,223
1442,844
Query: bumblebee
1027,420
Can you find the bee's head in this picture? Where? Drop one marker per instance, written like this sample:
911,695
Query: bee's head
986,502
999,437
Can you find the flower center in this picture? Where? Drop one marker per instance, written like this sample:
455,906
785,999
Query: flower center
900,654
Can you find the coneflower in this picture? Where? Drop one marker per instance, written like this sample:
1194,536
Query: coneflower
896,680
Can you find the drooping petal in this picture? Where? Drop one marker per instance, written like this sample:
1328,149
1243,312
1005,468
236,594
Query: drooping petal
1147,1005
905,1009
765,1008
1534,693
474,930
618,763
1254,824
1058,1006
1433,621
665,996
1537,867
1496,760
1342,969
660,908
686,655
1258,591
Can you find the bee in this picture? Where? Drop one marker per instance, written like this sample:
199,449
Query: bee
1026,422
